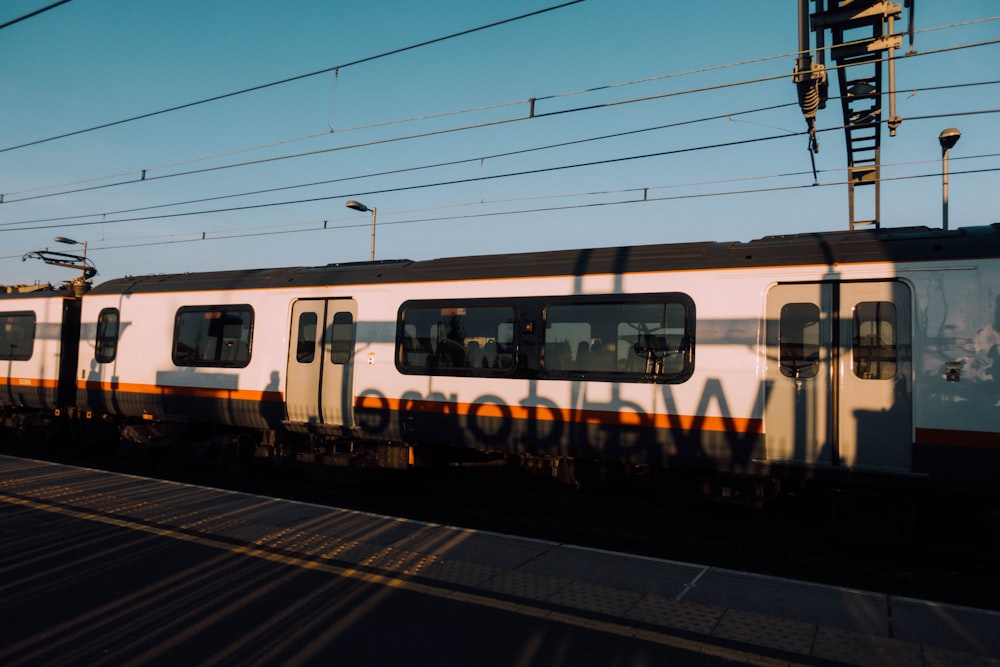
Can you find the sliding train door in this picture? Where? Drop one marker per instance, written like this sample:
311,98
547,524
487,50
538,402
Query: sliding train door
839,374
320,362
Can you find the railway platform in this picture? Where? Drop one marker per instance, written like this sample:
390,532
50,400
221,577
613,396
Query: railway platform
105,568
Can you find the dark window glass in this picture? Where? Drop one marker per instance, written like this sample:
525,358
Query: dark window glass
465,340
106,343
798,337
341,338
213,336
17,336
639,340
305,349
874,339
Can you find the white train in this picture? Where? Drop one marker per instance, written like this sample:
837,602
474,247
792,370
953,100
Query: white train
849,358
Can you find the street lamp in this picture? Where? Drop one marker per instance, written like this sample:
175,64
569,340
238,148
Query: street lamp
358,206
948,138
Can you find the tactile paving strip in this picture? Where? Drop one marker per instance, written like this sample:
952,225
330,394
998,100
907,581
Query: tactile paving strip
935,657
460,572
524,585
855,648
600,599
670,613
778,633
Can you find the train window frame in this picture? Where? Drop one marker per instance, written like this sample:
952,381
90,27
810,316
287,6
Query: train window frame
799,340
8,321
435,352
105,340
305,348
187,355
663,351
341,338
874,340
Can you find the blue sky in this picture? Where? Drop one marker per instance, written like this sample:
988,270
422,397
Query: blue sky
91,62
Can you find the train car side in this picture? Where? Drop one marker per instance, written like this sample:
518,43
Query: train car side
956,352
38,347
862,359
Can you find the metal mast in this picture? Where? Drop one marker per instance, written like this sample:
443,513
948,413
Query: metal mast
862,38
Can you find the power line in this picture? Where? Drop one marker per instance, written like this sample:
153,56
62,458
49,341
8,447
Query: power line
324,226
405,188
402,170
143,174
290,79
416,168
32,14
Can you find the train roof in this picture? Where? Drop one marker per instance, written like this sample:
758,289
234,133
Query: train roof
910,244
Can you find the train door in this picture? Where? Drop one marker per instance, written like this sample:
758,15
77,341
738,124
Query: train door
839,374
320,362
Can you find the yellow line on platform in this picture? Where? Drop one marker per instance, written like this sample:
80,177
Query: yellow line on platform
520,608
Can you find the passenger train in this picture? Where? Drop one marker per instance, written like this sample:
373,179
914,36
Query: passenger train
864,359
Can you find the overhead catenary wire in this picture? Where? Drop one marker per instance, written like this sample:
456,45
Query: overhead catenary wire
405,188
298,77
144,175
727,115
323,226
402,170
618,191
33,14
563,208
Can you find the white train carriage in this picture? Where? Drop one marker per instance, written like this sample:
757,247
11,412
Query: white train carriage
853,356
38,337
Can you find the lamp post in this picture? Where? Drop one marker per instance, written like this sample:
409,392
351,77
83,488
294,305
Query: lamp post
358,206
948,138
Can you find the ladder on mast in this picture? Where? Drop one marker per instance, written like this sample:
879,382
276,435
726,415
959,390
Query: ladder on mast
862,38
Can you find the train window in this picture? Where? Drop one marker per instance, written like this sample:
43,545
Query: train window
305,349
636,340
341,338
216,336
456,339
17,335
798,337
874,340
106,342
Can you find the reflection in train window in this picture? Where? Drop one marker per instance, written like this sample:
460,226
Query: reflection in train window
213,336
305,347
341,338
457,339
648,338
798,338
17,335
106,342
874,340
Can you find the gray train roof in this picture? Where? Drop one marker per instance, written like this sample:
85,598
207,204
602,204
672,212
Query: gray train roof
896,245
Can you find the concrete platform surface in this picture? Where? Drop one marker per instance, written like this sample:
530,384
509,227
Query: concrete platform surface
754,618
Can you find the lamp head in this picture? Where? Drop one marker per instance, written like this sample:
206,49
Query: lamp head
356,205
63,239
949,138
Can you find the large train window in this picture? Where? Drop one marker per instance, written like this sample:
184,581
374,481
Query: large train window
874,340
216,336
106,342
473,339
17,335
632,339
798,338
